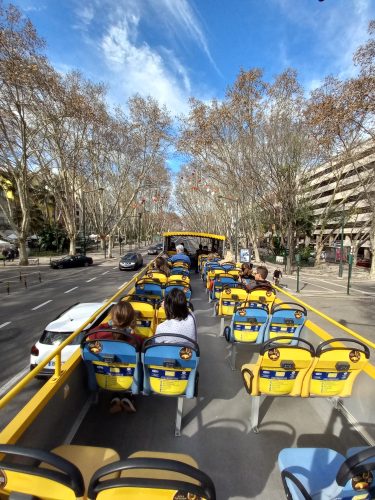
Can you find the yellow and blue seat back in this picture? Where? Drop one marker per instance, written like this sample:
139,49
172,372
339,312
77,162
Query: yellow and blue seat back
326,473
19,475
157,276
219,282
180,263
184,286
213,273
265,294
152,475
248,324
229,298
170,369
144,307
182,278
208,265
113,365
280,369
287,319
335,368
149,287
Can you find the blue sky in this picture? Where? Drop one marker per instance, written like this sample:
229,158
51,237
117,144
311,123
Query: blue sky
174,49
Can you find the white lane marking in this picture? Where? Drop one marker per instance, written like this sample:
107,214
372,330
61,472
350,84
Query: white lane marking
114,267
126,282
41,305
345,286
71,289
92,279
304,282
105,272
5,324
13,381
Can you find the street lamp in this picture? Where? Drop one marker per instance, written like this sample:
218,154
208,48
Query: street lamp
236,200
84,216
341,266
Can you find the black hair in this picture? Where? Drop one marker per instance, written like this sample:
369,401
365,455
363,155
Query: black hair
175,305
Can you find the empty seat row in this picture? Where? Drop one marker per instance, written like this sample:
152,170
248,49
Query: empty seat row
154,289
253,323
300,370
72,472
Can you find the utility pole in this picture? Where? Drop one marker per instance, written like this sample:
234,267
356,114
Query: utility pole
341,266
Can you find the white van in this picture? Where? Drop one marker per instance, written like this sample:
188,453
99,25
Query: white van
59,330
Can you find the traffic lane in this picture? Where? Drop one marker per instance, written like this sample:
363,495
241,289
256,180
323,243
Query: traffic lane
26,323
17,285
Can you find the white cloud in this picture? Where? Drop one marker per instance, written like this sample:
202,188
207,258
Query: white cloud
142,69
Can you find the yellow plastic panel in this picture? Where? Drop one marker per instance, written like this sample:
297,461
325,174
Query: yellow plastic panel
115,376
324,379
140,494
43,488
248,334
169,381
275,380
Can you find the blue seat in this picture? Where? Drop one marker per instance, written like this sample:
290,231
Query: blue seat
248,324
181,286
113,365
286,319
170,369
149,288
322,473
219,282
180,271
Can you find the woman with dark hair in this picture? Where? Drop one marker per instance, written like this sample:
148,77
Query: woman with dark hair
179,320
161,265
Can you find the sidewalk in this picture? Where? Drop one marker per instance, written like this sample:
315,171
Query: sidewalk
97,256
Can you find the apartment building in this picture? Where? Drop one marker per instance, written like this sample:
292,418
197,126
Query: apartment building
342,193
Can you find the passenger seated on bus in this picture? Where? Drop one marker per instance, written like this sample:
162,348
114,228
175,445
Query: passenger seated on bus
179,320
260,279
205,249
123,317
246,275
161,265
180,255
228,259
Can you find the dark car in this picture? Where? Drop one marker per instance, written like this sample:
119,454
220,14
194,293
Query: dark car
72,261
130,261
364,263
155,249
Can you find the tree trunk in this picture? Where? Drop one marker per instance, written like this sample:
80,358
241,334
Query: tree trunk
72,244
290,246
23,252
110,246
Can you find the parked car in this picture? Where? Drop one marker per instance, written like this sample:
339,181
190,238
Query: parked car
153,250
130,261
59,330
79,260
364,263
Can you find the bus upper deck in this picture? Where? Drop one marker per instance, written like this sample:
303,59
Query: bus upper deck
217,425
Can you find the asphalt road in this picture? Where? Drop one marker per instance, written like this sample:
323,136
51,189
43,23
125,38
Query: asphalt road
25,312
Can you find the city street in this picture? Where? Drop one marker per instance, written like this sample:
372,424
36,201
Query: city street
25,313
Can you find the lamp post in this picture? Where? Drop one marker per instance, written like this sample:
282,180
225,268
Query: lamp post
341,267
236,224
84,216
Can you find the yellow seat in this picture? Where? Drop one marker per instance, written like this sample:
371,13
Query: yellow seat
145,314
153,476
335,368
263,295
280,368
62,474
229,298
157,276
179,277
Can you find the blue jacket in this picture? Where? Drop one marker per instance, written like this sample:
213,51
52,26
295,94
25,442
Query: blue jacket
180,256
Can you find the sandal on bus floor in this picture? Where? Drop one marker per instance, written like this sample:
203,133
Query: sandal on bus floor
128,405
115,406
